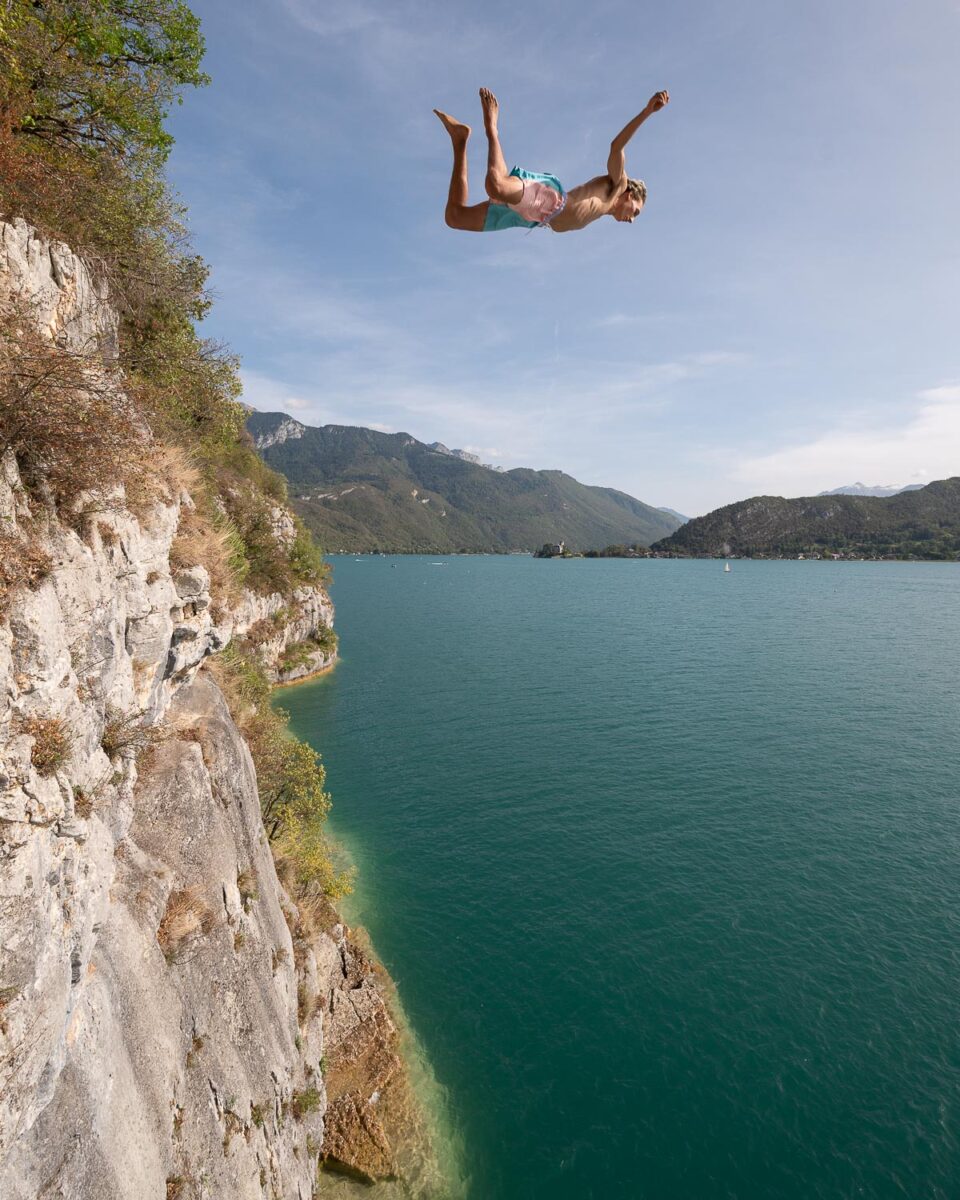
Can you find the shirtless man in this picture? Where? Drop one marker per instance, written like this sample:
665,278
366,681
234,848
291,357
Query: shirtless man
530,199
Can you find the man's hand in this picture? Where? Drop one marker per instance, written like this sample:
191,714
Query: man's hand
660,100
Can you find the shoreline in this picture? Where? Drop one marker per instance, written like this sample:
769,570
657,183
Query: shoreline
289,683
387,1119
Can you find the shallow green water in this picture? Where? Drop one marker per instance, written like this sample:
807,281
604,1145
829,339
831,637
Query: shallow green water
664,863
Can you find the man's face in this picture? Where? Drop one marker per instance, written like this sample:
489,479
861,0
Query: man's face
628,208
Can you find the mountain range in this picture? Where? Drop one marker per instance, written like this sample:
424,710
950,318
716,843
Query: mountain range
919,523
876,489
359,489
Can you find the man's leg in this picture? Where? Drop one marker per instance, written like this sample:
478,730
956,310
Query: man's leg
459,214
502,187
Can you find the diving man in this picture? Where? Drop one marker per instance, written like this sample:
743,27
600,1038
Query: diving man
531,199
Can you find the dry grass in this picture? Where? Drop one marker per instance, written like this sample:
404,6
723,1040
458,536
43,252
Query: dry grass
260,632
52,743
22,564
127,732
83,803
314,911
232,1126
70,425
177,473
199,541
248,885
195,1047
108,535
188,916
307,1002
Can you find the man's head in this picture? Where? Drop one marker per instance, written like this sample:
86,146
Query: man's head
630,201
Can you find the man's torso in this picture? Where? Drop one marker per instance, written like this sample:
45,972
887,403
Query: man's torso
586,203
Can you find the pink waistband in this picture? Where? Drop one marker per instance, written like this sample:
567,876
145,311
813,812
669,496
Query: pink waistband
539,202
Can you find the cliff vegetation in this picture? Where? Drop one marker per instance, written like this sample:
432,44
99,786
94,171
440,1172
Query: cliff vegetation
86,88
173,980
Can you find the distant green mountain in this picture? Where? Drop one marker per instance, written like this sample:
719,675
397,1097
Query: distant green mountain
924,523
358,489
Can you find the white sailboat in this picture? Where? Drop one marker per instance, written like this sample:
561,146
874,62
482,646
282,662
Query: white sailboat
726,566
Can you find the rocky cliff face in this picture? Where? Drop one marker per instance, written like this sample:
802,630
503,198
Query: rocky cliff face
164,1009
283,431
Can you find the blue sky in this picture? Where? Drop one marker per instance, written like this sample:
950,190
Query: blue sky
782,318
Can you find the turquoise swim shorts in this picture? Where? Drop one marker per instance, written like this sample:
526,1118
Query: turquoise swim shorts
499,216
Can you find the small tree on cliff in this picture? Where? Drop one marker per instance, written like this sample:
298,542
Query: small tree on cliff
295,804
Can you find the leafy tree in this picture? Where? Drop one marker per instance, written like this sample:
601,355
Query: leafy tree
85,86
97,74
292,782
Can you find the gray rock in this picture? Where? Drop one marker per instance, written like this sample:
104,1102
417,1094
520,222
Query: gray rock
150,1020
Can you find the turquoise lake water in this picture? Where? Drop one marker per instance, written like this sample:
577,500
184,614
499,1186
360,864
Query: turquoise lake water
664,863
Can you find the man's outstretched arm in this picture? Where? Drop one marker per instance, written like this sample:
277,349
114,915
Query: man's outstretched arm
617,162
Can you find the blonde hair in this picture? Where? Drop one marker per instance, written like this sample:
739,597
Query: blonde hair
637,189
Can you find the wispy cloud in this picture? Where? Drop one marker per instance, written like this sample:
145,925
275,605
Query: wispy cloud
320,309
519,417
394,42
924,446
625,320
328,20
272,395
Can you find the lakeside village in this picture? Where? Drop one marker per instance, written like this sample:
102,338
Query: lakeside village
558,550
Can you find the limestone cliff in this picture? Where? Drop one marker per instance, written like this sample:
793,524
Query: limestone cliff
166,1014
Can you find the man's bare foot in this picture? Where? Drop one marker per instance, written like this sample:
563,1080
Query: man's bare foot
491,109
457,130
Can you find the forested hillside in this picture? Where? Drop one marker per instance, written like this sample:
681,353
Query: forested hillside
913,524
358,489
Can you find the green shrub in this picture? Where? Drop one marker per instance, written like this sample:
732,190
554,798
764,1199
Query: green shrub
300,654
306,558
324,637
297,654
305,1102
290,779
